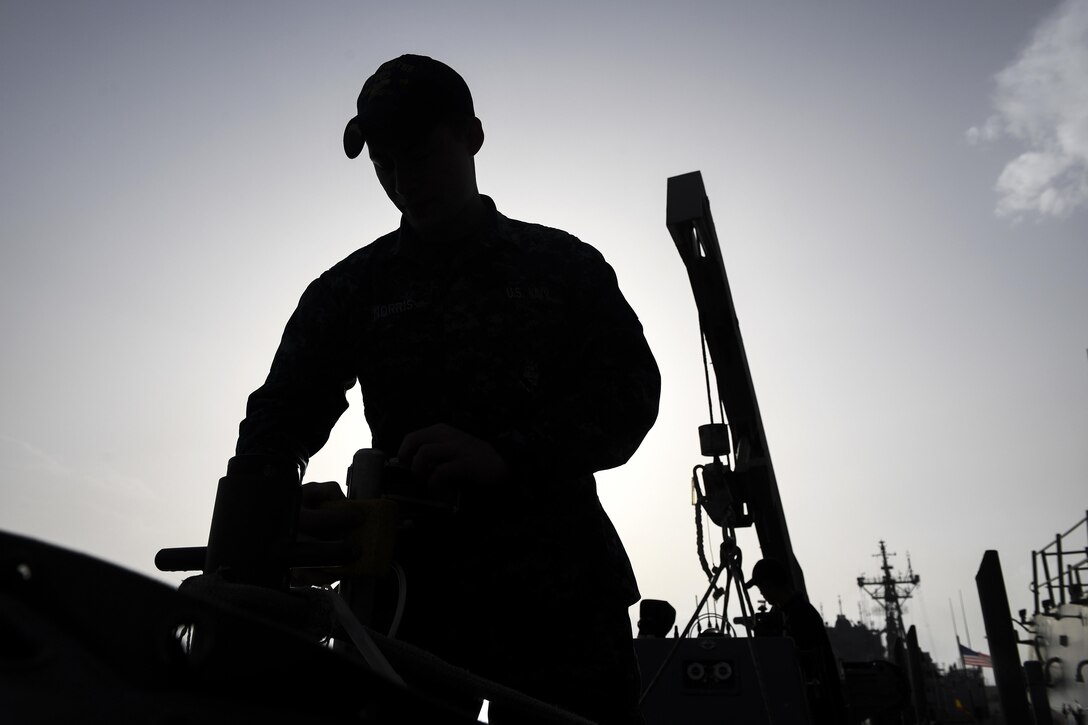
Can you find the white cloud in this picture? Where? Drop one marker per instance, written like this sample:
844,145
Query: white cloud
1042,101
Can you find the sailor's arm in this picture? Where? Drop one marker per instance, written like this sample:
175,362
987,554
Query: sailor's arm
304,395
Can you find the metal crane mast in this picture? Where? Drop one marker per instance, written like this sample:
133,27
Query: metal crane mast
750,480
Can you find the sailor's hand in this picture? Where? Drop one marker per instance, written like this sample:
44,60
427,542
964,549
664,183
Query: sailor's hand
446,457
322,514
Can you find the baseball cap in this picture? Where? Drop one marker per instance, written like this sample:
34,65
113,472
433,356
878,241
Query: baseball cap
768,571
409,93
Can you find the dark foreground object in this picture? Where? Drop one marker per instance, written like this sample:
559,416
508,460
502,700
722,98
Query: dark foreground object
716,680
82,640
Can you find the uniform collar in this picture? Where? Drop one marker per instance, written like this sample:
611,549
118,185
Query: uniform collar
486,235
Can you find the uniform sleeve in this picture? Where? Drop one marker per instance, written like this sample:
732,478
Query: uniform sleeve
305,392
603,398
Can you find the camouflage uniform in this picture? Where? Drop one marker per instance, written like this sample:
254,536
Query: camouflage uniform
519,336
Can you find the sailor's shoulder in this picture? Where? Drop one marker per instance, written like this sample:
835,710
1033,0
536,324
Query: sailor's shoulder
548,243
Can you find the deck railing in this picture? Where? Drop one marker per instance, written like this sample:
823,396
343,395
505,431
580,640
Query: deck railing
1066,583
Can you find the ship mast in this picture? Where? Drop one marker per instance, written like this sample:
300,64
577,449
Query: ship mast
890,591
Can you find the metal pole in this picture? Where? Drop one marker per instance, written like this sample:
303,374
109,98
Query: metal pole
1061,568
1049,580
1008,674
1035,578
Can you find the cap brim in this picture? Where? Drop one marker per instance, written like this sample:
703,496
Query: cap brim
750,583
354,140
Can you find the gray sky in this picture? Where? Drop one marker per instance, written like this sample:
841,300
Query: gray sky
901,192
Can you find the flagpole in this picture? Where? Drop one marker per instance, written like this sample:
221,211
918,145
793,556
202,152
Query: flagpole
965,627
956,631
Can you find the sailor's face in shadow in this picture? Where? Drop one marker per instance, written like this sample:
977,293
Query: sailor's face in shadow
430,176
773,595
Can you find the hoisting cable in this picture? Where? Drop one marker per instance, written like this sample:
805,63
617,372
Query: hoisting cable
699,498
706,374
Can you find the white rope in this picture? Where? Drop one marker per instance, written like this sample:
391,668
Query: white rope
362,640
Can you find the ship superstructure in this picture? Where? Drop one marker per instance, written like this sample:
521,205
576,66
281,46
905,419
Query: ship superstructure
1059,626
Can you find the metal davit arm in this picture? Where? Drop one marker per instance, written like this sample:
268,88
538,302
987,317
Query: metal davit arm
690,223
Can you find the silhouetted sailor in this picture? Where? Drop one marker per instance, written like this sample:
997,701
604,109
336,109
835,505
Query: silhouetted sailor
793,616
497,358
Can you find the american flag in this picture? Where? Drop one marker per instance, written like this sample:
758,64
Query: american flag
974,659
